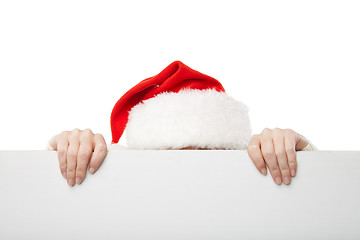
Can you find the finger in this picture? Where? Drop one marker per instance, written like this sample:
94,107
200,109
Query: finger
268,152
290,141
84,154
255,154
62,149
53,142
72,156
301,141
279,145
99,154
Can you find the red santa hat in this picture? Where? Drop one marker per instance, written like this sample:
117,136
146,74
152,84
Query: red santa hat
179,108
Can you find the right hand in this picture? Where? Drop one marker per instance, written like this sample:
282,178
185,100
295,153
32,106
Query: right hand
75,149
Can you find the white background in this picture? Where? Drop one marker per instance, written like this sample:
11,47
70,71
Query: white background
64,64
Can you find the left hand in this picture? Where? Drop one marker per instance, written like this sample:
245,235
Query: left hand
276,149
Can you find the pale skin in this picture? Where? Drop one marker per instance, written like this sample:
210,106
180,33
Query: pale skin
82,150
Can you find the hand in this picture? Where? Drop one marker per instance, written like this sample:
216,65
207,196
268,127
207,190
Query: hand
75,149
276,149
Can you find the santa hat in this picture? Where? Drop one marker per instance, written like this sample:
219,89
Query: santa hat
180,108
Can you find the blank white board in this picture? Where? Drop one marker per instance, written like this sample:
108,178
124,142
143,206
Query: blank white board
180,195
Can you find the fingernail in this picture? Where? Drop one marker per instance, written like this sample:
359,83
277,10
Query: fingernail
293,173
287,180
64,174
278,180
71,181
263,171
78,180
91,170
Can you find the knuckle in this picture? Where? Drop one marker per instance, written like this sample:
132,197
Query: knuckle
275,172
268,153
290,149
71,155
102,150
61,152
284,170
62,166
75,132
85,149
280,153
278,132
266,130
87,132
277,129
71,171
293,164
80,173
99,136
73,137
84,155
101,146
252,147
289,131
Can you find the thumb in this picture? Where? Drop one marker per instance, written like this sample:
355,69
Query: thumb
301,142
53,142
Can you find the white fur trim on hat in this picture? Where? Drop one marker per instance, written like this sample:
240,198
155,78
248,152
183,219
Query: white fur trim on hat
190,118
